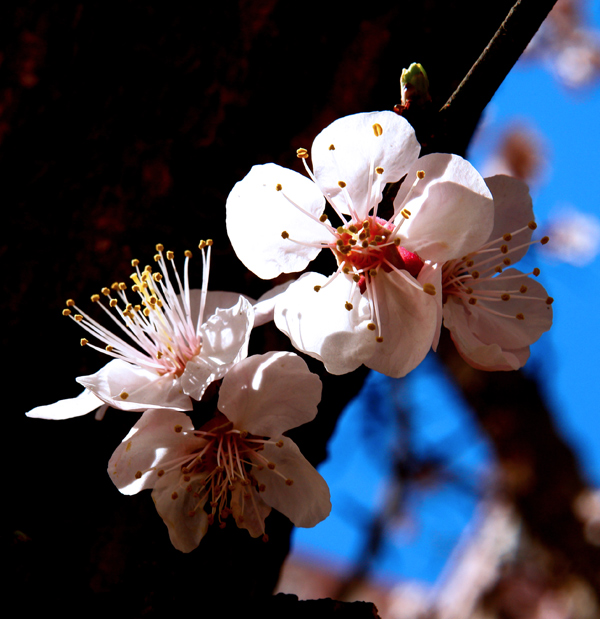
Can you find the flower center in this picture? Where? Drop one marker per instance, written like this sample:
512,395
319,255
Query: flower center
163,335
364,247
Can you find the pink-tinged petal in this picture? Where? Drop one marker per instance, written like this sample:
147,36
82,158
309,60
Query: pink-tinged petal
357,151
408,318
306,501
225,337
269,394
131,388
432,274
481,356
452,211
249,510
257,214
181,511
318,323
473,325
83,404
513,210
159,440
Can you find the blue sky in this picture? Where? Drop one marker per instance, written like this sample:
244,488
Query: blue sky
565,357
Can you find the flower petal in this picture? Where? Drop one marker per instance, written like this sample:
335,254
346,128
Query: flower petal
513,210
160,437
264,309
357,150
452,210
225,337
269,394
505,331
408,319
144,389
184,515
318,323
306,502
249,510
84,403
257,214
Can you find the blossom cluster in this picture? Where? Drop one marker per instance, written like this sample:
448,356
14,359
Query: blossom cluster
438,249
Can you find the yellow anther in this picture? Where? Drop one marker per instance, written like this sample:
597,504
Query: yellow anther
209,242
128,307
83,341
105,291
124,395
472,301
331,147
122,286
352,241
498,269
377,129
429,289
157,277
135,262
366,223
170,255
317,288
160,473
152,300
135,288
341,230
523,289
371,327
138,475
187,253
397,241
505,297
159,303
159,355
349,306
475,274
271,465
379,238
146,312
379,339
520,317
532,225
178,428
365,244
115,286
157,257
70,303
470,263
356,277
379,170
113,303
536,271
174,495
352,229
66,312
78,317
137,307
288,482
160,247
421,174
544,240
405,213
278,187
285,235
373,272
507,236
302,153
201,244
506,261
341,184
504,249
549,301
279,443
323,218
109,348
469,290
